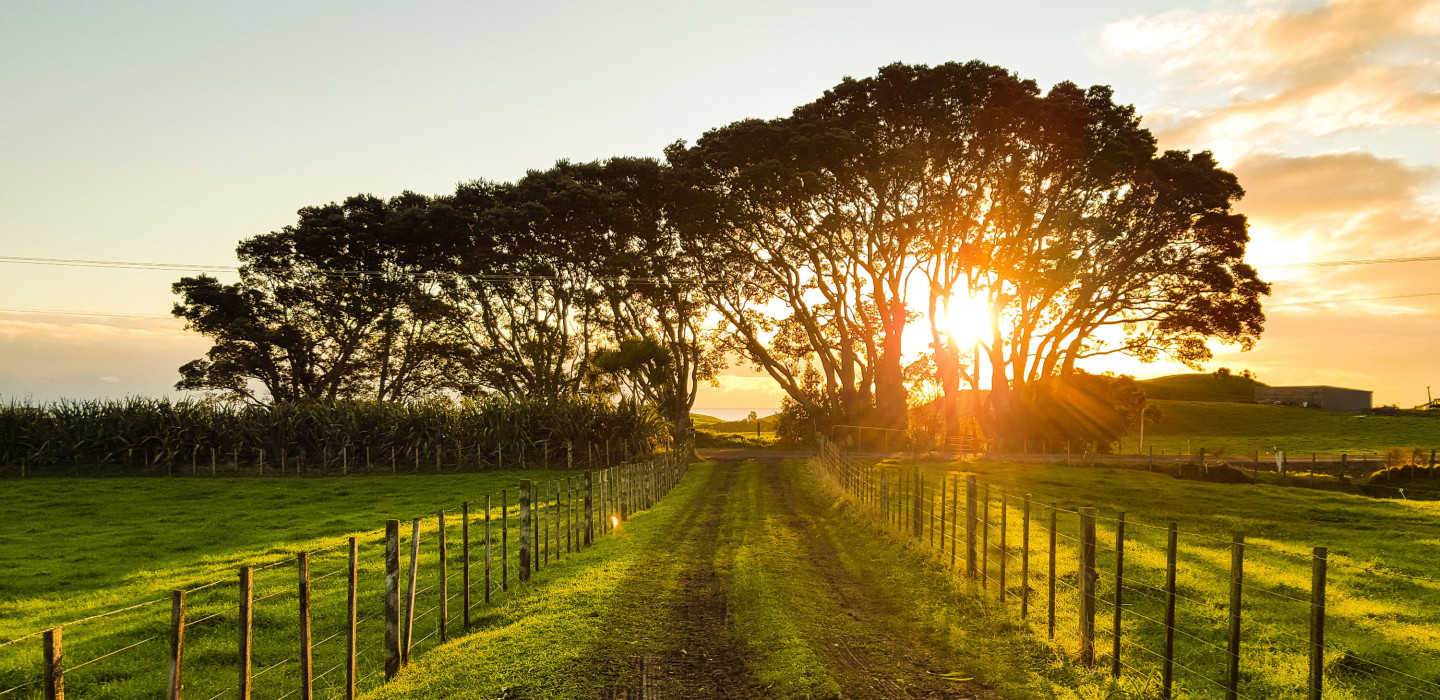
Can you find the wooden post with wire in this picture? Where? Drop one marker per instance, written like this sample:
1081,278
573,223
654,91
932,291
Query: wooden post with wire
504,541
247,619
1167,669
1318,563
307,670
918,503
589,508
1119,592
971,566
1088,576
1237,577
1004,549
1025,560
487,550
54,660
352,613
392,598
524,530
410,592
985,537
465,558
1050,599
177,643
444,581
954,521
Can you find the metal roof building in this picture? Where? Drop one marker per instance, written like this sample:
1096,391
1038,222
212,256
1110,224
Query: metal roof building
1330,398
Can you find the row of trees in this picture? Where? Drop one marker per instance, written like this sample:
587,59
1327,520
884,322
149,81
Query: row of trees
804,245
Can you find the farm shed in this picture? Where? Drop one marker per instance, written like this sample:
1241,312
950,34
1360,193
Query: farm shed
1330,398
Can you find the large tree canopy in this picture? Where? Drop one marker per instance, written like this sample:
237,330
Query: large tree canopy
806,245
1054,208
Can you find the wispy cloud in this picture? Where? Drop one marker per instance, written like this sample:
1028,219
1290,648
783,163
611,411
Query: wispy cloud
1346,64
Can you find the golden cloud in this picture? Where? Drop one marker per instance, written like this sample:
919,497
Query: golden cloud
1345,64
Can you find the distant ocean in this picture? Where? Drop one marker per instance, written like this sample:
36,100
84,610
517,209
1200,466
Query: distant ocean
735,413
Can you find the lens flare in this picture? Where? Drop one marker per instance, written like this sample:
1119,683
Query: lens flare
614,521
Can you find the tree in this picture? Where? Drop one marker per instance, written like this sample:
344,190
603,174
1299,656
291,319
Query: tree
1054,208
340,305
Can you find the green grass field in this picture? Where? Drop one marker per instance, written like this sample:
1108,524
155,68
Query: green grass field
1235,429
79,547
1383,633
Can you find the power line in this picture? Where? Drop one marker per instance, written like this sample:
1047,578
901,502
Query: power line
1371,261
119,264
58,312
1348,300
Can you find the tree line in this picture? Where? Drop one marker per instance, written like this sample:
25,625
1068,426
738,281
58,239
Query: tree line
804,245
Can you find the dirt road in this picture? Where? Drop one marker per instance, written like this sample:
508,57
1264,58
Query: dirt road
750,556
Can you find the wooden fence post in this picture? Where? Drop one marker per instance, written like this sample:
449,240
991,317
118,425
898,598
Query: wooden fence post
1087,581
1317,621
487,550
1004,549
954,521
392,598
54,659
1237,576
1025,561
177,643
985,537
444,582
1167,669
589,508
247,599
971,566
1119,591
465,557
919,506
410,592
307,678
352,614
943,484
504,541
1050,599
524,530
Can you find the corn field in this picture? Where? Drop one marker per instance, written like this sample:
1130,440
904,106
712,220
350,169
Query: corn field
160,436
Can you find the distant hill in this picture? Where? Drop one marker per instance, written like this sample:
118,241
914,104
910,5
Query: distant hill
715,425
1201,387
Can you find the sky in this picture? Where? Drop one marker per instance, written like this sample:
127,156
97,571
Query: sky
168,132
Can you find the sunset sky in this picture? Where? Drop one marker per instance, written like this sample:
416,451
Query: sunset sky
166,132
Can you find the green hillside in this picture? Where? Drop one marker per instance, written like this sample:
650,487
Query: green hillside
715,425
1201,387
1237,428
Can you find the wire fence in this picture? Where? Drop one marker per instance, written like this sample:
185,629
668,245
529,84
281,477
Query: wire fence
1172,612
336,622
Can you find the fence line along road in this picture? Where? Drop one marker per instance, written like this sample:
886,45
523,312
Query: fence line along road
1191,654
363,626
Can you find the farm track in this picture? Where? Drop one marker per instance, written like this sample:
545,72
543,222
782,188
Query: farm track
701,656
694,652
868,654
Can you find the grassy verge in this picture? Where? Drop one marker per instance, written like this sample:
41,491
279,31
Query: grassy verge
86,546
576,629
1383,629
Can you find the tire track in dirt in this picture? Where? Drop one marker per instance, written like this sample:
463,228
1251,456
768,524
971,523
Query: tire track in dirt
868,659
697,655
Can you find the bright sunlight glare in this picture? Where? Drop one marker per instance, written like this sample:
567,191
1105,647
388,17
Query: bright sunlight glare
968,319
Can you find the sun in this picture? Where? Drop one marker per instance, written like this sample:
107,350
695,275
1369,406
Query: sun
968,319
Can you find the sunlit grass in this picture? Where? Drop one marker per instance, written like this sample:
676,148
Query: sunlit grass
1383,606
